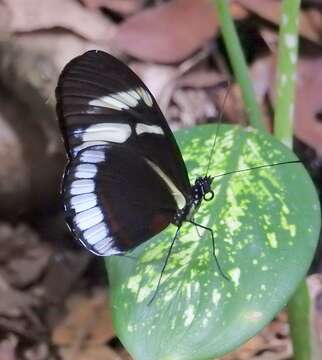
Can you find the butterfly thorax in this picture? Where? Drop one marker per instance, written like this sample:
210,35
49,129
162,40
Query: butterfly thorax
201,190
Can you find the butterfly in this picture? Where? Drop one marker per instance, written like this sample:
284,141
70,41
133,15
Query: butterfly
125,180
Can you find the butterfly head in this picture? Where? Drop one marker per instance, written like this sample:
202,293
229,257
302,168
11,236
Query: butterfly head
202,188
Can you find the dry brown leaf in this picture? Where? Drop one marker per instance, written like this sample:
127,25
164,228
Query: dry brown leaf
124,354
169,32
90,353
231,104
39,352
308,102
311,25
4,20
201,79
69,267
123,7
24,257
270,344
268,9
34,15
262,74
194,106
14,180
14,303
314,283
8,348
29,266
89,322
155,76
310,20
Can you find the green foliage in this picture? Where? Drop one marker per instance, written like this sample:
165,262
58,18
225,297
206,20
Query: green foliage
266,224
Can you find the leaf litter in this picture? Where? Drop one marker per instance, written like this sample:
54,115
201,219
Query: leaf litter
52,293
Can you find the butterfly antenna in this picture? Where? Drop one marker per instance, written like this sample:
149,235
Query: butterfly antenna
258,167
164,266
220,119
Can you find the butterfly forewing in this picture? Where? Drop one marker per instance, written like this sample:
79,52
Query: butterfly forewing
126,178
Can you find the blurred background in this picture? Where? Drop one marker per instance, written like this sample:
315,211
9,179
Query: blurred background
52,292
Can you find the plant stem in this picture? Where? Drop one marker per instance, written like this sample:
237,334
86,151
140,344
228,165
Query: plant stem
283,127
286,71
299,305
238,63
298,315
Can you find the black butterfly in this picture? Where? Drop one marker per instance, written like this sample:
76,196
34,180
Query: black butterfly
126,180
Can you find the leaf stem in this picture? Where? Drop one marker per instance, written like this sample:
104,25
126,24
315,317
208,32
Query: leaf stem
283,127
238,63
299,305
298,315
286,71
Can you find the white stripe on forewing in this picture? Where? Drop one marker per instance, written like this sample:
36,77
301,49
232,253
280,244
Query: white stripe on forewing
178,196
127,97
122,100
145,96
109,102
152,129
110,132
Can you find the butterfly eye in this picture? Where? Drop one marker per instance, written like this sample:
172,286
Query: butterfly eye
208,195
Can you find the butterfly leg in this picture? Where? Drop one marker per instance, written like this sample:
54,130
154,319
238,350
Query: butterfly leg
164,265
213,247
197,229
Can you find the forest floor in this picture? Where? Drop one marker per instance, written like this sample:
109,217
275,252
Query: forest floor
53,293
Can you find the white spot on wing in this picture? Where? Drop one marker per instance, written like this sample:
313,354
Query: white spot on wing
92,156
82,187
103,244
83,202
86,145
96,233
88,218
85,171
113,132
178,196
107,250
152,129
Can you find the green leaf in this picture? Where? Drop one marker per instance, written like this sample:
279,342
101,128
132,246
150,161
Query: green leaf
266,224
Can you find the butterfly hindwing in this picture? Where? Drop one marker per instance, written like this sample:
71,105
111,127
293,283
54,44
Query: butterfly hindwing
113,208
